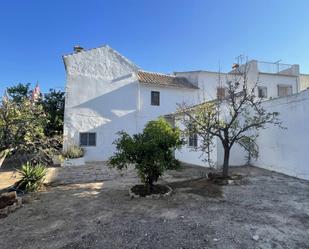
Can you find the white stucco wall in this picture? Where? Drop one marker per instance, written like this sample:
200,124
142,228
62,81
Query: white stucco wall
286,151
169,99
104,96
190,155
304,81
101,93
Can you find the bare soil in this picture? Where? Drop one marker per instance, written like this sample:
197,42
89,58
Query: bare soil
89,207
142,190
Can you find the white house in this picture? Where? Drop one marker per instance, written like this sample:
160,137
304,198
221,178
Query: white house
107,93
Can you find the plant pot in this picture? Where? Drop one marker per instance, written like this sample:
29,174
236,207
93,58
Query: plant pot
73,162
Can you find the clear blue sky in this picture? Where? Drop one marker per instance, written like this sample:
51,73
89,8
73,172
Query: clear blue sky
157,35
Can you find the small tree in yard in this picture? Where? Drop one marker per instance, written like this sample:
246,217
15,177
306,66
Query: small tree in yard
236,118
150,151
22,130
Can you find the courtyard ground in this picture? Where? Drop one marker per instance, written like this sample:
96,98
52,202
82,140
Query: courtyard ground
89,207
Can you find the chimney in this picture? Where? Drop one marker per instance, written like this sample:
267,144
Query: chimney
235,65
78,48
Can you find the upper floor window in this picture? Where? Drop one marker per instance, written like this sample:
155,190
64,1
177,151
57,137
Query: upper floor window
284,90
262,92
88,138
221,91
155,98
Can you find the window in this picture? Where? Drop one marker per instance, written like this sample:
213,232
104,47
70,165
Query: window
87,139
284,90
220,93
192,141
262,92
155,98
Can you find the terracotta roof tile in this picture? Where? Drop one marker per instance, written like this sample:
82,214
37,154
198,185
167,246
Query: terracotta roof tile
157,79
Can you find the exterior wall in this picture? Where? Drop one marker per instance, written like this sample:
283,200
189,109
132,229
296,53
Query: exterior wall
304,81
101,93
209,81
169,99
271,81
189,155
286,151
104,96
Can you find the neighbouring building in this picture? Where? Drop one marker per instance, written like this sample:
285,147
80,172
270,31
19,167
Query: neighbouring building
107,93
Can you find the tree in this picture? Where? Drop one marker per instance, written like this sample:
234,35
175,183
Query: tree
150,151
19,92
235,119
22,130
53,105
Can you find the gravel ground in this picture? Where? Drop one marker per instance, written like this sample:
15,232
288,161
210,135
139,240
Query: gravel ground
268,210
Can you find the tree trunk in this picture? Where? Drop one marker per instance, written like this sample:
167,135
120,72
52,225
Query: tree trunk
225,172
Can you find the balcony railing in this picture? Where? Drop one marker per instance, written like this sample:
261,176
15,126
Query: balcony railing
277,68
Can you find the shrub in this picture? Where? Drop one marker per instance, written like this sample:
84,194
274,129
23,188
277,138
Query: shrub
32,177
150,151
73,151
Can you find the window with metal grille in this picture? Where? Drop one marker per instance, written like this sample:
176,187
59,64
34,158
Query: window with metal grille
221,93
284,90
155,98
87,138
262,92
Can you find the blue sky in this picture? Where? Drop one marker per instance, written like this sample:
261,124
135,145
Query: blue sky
157,35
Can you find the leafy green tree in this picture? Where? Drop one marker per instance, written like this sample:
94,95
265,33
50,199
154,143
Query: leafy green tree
19,92
53,105
22,131
152,151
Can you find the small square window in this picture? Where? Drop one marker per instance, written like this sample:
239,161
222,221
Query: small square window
262,92
87,139
155,98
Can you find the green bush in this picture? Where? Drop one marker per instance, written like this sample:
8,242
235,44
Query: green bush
74,151
152,151
32,177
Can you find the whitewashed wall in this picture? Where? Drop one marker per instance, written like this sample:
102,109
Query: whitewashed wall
169,99
286,151
188,154
104,96
304,81
101,96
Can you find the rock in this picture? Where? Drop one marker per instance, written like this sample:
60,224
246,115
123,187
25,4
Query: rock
7,199
4,212
215,239
255,237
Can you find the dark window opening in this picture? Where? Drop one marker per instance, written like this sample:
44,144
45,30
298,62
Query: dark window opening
155,98
87,139
262,92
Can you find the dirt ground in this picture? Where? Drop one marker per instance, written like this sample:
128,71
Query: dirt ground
89,207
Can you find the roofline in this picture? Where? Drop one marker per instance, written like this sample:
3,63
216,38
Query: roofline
163,74
168,86
86,50
103,46
199,71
